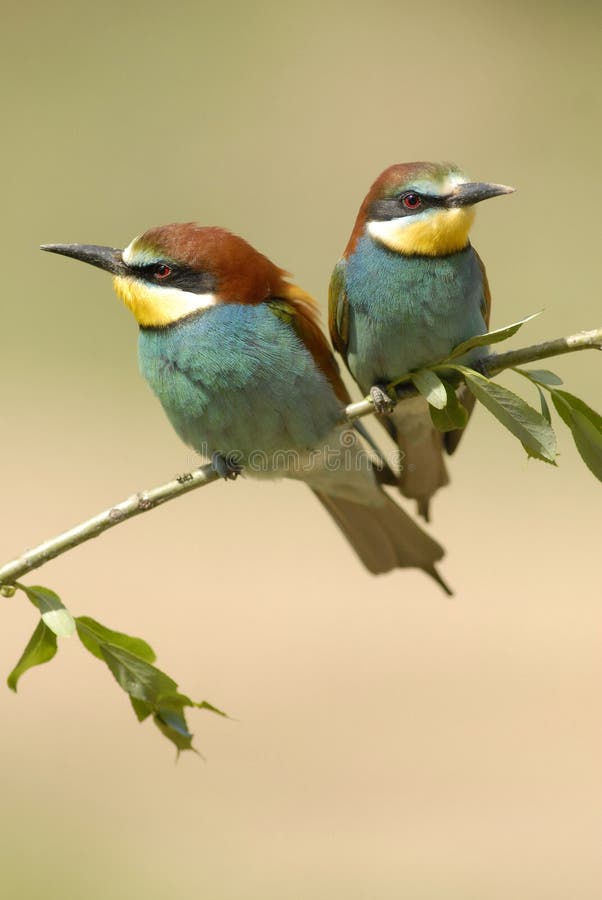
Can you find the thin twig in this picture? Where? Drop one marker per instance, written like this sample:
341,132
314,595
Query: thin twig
127,509
147,500
583,340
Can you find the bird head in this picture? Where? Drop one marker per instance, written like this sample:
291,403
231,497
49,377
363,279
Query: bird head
173,271
421,209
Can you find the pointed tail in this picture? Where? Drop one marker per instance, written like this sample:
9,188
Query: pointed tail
422,465
423,469
385,537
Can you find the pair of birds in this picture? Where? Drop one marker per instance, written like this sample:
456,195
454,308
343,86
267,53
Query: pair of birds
235,353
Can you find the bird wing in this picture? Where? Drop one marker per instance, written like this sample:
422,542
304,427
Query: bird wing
299,310
451,439
486,290
338,309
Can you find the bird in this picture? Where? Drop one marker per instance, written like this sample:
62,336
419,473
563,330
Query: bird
234,352
408,289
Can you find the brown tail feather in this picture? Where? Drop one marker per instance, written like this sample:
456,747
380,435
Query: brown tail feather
423,469
422,466
385,537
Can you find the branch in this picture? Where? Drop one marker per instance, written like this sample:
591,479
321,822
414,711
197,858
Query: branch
496,363
127,509
147,500
583,340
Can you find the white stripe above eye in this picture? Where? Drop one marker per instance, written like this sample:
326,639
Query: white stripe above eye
128,254
438,188
141,256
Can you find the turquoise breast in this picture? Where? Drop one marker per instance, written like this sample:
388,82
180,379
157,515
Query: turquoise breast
406,312
236,379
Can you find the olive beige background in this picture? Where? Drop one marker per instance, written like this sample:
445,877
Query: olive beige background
386,742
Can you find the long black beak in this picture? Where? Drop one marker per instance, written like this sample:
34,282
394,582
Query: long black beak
107,258
475,191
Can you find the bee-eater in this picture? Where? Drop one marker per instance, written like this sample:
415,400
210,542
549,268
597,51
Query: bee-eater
235,354
408,289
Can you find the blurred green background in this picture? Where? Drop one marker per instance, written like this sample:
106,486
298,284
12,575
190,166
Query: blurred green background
386,742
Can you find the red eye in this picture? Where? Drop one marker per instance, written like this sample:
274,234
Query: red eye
412,201
162,271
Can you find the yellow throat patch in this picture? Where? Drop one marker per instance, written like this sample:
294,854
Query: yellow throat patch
433,234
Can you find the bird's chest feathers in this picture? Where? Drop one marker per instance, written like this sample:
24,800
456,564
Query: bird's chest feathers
409,311
236,378
199,366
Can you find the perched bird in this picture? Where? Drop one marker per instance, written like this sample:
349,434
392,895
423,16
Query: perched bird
234,352
408,289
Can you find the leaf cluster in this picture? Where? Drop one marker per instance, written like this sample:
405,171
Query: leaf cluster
152,693
532,427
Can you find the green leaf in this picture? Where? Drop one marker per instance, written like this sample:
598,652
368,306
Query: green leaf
431,387
40,649
173,726
580,406
151,691
545,409
491,337
175,719
171,721
142,709
541,376
137,677
53,611
524,422
453,416
586,428
210,708
92,634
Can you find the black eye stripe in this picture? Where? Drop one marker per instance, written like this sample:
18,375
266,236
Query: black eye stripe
394,207
148,272
181,277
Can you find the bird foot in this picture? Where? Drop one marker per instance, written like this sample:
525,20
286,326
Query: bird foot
479,366
226,466
380,399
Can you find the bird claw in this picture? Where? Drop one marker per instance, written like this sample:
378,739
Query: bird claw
479,366
226,467
380,399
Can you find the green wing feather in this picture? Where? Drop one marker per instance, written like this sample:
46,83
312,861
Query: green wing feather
338,309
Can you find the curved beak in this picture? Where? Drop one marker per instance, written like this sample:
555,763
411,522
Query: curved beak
474,191
108,258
